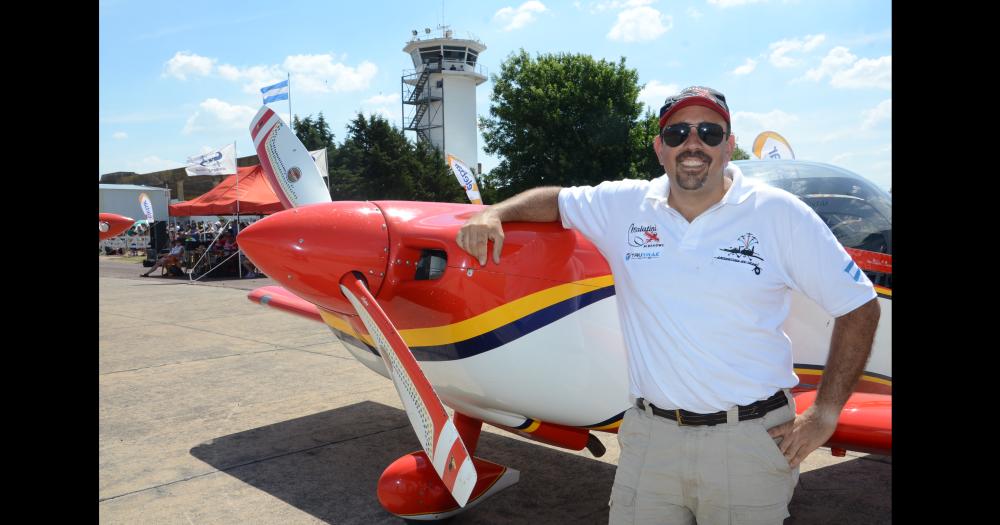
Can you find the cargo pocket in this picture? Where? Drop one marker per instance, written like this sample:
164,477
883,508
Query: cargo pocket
768,515
622,505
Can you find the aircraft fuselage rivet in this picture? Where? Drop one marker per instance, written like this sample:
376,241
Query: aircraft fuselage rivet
469,272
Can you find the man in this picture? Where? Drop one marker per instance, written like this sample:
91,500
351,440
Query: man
704,261
175,256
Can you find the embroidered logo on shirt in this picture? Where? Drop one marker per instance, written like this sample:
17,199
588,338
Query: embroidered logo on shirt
643,236
744,252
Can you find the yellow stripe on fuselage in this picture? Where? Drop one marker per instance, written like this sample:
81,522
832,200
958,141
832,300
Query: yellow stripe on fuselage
611,426
502,315
484,322
883,291
341,326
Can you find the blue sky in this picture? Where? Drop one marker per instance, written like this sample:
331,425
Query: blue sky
182,78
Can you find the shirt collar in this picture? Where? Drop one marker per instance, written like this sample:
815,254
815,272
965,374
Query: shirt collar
659,188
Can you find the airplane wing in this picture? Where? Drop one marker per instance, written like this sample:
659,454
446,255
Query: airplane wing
282,299
435,429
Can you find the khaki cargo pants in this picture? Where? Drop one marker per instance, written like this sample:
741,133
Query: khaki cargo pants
731,473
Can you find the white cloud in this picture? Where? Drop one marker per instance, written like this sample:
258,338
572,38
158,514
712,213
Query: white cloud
837,59
640,23
655,93
866,73
120,135
385,105
845,70
517,18
600,7
881,112
746,68
310,73
152,163
783,47
694,13
733,3
216,115
185,63
381,99
775,120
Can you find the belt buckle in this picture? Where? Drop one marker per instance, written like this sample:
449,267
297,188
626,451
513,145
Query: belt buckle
677,414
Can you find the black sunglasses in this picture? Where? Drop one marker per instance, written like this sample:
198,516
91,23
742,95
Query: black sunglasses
710,133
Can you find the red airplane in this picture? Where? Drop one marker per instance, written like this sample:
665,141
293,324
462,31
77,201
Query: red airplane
532,345
112,224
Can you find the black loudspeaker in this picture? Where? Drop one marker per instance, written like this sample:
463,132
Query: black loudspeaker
158,237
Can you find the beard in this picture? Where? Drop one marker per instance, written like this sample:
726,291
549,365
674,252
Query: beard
692,178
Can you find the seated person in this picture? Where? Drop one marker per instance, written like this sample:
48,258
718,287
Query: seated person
175,256
228,243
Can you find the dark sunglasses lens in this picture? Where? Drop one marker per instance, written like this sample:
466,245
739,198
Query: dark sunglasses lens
676,135
710,134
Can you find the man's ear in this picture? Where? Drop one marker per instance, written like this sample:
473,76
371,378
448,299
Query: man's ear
731,145
657,145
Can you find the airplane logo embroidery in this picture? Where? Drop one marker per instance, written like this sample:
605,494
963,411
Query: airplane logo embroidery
643,236
744,252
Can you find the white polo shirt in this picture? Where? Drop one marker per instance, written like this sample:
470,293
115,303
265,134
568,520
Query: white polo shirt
701,304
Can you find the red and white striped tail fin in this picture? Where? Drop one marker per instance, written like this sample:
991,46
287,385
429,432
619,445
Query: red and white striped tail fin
289,169
435,429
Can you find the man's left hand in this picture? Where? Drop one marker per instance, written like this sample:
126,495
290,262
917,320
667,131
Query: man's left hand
804,434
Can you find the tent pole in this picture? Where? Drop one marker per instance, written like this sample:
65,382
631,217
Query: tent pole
239,258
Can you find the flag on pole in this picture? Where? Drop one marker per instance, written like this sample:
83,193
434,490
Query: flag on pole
466,178
220,162
319,157
275,92
147,207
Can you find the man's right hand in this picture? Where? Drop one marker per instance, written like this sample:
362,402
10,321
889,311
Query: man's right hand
476,233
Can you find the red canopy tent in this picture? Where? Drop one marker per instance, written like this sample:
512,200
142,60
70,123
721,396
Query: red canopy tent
255,196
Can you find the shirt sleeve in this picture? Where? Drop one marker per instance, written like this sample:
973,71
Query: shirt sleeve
819,267
587,208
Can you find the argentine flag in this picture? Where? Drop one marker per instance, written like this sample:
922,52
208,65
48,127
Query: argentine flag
275,92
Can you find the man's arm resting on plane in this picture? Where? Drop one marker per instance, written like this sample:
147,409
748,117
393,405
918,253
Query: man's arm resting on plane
534,205
850,346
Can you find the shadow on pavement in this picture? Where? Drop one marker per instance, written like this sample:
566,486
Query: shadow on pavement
328,465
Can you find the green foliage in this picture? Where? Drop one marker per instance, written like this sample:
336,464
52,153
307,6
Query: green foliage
645,165
377,162
561,119
739,154
314,134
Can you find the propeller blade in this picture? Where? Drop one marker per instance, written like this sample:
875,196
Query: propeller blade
435,429
289,169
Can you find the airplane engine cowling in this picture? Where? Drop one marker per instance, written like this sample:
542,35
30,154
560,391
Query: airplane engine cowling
308,249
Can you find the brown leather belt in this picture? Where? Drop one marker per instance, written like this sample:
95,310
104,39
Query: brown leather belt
685,418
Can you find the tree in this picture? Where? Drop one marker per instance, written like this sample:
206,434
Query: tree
376,161
739,154
314,134
560,119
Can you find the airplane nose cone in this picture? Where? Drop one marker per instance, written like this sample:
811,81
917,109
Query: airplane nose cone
308,249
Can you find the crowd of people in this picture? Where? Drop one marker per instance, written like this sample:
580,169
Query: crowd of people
203,245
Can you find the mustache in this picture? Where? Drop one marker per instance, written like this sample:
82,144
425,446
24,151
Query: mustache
696,154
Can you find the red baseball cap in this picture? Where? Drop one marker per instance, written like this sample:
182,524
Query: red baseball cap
695,95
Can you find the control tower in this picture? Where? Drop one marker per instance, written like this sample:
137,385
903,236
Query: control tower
439,94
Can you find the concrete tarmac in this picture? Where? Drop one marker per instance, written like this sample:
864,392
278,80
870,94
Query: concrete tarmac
216,410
